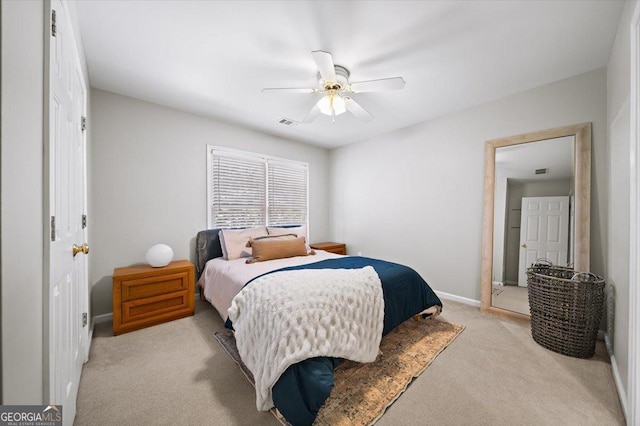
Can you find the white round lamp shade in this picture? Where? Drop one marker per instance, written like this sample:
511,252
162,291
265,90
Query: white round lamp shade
159,255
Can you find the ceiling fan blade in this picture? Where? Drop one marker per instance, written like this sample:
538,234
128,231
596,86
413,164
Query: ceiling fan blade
394,83
324,61
354,108
315,111
288,90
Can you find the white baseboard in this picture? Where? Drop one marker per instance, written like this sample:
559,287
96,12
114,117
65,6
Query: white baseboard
97,319
460,299
602,335
622,395
618,381
497,283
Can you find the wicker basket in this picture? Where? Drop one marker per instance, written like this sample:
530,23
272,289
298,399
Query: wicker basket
566,308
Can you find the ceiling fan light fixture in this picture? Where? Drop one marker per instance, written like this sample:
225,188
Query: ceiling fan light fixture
336,89
332,104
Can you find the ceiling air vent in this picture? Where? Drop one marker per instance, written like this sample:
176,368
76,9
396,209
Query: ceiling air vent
288,122
541,171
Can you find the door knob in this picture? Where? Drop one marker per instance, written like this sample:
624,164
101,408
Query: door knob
80,249
521,245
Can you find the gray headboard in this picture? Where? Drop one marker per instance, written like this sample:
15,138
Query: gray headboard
207,247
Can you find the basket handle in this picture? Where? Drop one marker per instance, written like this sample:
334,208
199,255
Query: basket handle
541,261
585,277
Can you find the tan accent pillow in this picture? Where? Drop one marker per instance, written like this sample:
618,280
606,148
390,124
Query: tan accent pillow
269,249
300,231
234,241
271,238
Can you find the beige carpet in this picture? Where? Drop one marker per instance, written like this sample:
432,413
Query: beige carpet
494,374
362,392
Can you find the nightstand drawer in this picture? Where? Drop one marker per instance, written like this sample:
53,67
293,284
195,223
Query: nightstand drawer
338,250
144,296
154,307
139,288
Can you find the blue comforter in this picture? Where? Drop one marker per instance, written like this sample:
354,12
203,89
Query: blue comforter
303,387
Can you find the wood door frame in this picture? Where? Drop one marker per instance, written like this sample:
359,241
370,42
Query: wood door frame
582,190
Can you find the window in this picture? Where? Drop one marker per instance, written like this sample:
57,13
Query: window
246,190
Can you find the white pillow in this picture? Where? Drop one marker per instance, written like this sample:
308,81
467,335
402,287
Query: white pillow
300,231
234,241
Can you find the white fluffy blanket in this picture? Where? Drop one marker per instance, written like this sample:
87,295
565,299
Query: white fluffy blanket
285,317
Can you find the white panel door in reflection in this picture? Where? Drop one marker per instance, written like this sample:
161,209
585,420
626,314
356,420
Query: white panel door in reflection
544,232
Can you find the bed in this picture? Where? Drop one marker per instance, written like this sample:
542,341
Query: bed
300,389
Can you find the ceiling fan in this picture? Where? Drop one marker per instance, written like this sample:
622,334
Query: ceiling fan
336,89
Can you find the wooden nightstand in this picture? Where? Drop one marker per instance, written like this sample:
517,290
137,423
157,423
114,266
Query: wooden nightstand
337,248
144,296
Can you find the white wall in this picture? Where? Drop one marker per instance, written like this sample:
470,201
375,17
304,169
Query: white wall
22,193
149,181
618,125
415,195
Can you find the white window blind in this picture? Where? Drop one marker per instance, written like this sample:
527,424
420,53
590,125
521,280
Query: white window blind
287,193
247,190
238,191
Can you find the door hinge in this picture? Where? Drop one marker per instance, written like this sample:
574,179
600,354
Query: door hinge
84,319
53,228
54,29
83,123
84,221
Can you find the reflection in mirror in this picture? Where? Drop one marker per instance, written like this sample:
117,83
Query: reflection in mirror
533,211
515,198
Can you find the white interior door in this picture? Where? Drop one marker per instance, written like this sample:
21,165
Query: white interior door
544,232
68,300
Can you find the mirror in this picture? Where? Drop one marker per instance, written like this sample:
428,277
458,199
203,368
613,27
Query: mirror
534,181
532,215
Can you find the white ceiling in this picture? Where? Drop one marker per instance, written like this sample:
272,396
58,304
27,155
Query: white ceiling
521,161
213,57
